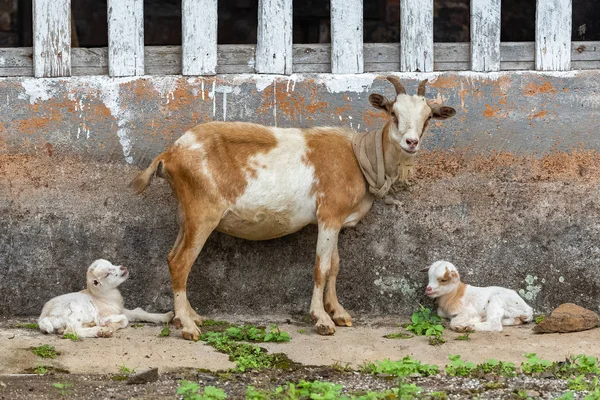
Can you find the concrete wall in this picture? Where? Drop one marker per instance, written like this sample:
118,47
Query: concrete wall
508,190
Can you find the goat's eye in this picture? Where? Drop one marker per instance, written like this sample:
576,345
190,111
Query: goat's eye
444,280
395,118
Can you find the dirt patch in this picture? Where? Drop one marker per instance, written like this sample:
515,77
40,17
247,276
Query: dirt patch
94,363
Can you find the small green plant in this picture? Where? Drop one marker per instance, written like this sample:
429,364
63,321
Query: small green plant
166,331
71,335
579,364
581,384
125,370
27,326
191,391
436,340
533,364
424,322
45,351
342,368
63,388
566,396
40,369
405,367
400,335
246,356
302,331
309,390
540,318
464,337
253,394
459,367
593,395
250,333
135,326
493,366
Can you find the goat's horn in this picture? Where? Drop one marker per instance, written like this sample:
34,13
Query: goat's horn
397,85
421,89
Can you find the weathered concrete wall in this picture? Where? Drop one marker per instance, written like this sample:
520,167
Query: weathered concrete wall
508,190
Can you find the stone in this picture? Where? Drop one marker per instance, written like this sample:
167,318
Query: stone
143,376
568,317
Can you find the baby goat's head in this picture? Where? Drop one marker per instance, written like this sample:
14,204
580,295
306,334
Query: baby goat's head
409,115
443,278
103,276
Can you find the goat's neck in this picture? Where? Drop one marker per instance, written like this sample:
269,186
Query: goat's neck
398,163
451,303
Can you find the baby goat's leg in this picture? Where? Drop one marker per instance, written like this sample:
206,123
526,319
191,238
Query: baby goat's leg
140,315
332,305
95,331
115,321
326,242
493,317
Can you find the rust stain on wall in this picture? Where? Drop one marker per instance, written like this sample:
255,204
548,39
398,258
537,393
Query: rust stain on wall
531,89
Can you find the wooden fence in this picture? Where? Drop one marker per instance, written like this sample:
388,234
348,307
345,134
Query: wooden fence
274,53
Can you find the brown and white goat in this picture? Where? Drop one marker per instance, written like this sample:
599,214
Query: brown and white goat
258,183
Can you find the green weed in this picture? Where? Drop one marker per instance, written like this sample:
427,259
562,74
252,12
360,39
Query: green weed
464,337
302,331
125,370
405,367
425,322
581,384
539,319
533,364
166,331
45,351
577,365
459,367
27,326
493,366
191,391
63,388
40,369
250,333
135,326
399,335
72,335
246,356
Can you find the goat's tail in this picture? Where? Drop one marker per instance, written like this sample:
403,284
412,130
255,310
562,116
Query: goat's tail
143,178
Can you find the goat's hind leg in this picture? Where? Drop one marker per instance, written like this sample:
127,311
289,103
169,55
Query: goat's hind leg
140,315
326,242
339,315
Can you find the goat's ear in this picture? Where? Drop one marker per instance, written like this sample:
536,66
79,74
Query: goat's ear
426,269
442,112
380,102
454,276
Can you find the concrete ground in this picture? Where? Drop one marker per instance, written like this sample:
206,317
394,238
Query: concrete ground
142,347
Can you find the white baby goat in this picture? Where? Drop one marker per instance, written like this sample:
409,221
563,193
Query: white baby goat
474,308
96,311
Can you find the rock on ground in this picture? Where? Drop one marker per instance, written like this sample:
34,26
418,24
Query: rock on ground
568,317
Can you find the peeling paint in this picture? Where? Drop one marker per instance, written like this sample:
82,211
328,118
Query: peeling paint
347,83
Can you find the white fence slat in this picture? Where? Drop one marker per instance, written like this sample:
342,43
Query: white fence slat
553,21
125,37
274,41
416,35
51,38
485,35
347,36
199,37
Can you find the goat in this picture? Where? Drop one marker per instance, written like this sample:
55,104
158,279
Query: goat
474,308
96,311
259,183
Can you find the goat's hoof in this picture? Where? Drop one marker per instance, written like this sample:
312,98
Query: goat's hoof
177,323
198,321
105,332
343,320
192,334
325,329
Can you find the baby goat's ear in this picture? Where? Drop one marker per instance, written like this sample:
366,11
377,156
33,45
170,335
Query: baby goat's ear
454,277
426,269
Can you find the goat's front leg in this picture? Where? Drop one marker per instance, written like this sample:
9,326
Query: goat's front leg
326,242
332,306
197,228
140,315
